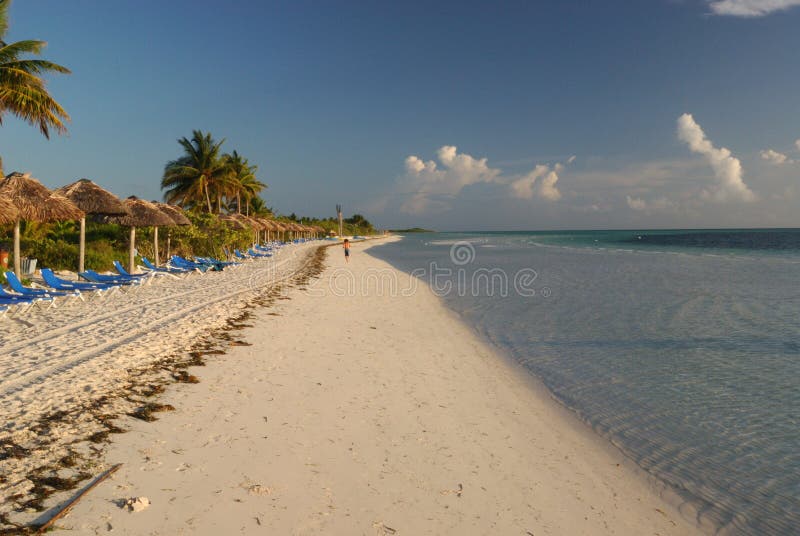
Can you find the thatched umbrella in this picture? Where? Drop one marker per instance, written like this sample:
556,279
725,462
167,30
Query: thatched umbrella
8,212
249,222
275,227
92,199
296,228
233,222
279,227
176,215
267,226
141,214
34,202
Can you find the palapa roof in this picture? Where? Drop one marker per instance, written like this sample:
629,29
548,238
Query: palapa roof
141,214
249,222
269,225
233,222
175,213
8,212
34,202
92,199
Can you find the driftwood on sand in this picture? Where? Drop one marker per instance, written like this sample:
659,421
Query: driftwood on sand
68,506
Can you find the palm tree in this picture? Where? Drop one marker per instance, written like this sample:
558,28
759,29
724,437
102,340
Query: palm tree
244,183
189,180
259,208
22,90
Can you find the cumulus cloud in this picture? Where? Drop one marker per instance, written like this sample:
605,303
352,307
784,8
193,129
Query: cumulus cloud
636,203
660,204
797,144
429,185
750,8
540,181
727,168
774,157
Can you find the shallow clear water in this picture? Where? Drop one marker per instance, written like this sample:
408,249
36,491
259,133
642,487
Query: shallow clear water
682,347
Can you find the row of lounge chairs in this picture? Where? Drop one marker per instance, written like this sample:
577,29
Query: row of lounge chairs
20,297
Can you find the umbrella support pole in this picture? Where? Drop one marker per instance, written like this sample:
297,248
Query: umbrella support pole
82,246
132,248
155,245
17,260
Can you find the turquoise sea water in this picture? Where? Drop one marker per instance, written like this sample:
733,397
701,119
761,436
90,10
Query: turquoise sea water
680,347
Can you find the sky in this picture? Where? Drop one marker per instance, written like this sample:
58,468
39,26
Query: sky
448,115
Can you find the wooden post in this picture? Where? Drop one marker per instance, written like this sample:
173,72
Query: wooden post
131,255
82,246
17,260
155,244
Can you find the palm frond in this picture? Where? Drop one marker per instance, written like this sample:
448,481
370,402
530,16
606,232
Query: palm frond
4,17
11,51
35,66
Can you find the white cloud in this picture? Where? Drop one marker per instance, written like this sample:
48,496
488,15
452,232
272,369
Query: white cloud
797,144
430,186
659,204
636,203
547,186
727,168
428,183
750,8
774,157
523,187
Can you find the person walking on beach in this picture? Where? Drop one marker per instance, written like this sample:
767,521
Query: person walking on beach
346,246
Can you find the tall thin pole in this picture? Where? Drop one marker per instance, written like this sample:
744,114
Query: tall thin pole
131,255
155,244
17,260
339,213
82,246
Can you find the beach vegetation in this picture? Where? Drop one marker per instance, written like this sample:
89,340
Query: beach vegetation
205,179
190,179
23,91
243,185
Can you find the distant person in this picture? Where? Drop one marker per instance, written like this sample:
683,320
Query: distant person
346,246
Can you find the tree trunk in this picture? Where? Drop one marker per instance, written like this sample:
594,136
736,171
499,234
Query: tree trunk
208,196
238,203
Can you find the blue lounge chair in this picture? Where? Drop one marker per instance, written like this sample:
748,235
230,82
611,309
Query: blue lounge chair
17,286
94,277
57,283
253,253
7,298
180,262
168,270
215,264
124,273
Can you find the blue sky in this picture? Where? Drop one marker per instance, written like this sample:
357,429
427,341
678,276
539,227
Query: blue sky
453,115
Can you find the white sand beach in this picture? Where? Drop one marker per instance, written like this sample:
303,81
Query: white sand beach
365,414
63,365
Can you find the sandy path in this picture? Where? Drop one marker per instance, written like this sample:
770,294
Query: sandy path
367,414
